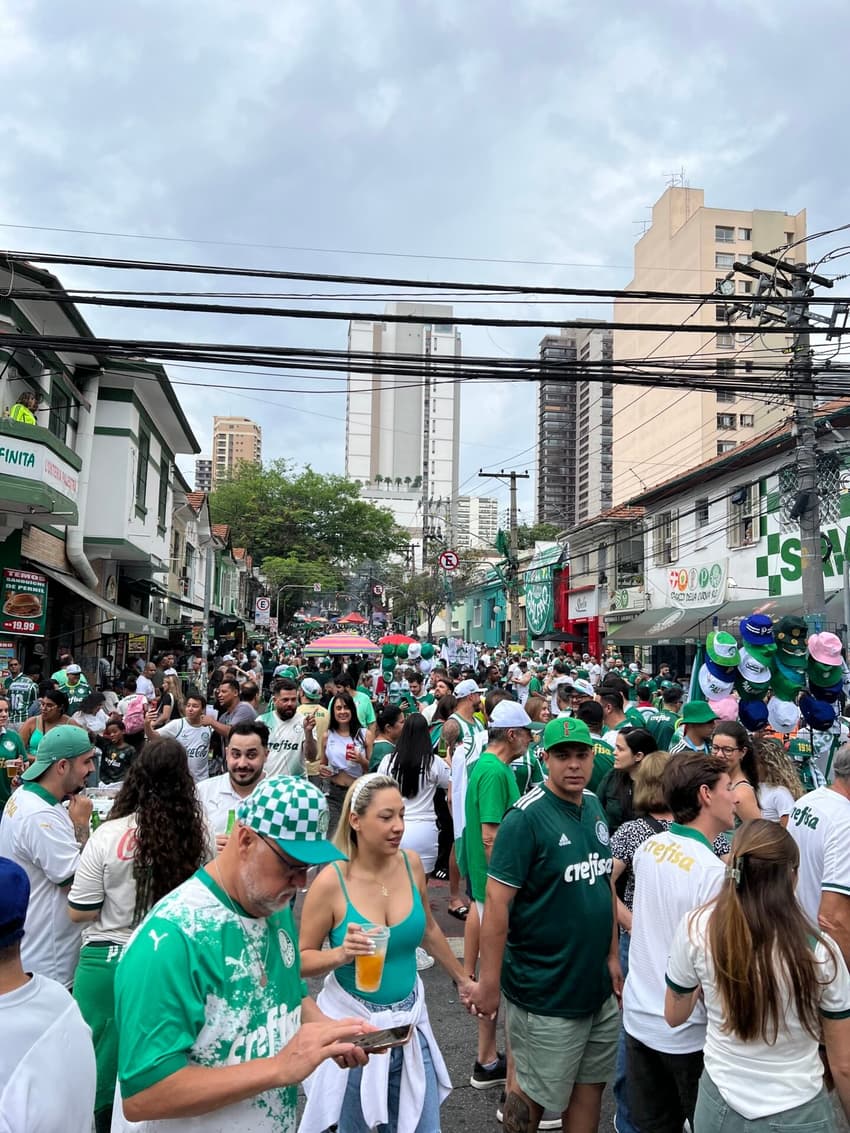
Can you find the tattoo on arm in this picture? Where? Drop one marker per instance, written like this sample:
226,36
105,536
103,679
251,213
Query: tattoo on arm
517,1115
81,833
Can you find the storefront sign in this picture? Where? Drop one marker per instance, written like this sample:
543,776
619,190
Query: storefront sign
34,461
700,585
23,601
137,644
583,604
630,600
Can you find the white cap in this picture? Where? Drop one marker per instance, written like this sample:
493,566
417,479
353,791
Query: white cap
170,673
73,669
582,686
782,715
509,714
465,688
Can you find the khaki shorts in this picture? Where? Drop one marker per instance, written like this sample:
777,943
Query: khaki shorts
551,1054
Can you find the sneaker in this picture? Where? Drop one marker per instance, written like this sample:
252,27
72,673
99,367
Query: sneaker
549,1120
423,960
483,1079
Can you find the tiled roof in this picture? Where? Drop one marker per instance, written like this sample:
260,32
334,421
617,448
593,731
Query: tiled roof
221,530
195,500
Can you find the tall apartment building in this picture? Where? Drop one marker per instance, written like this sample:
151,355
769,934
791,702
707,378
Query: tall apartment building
203,474
476,523
236,440
403,433
689,248
574,427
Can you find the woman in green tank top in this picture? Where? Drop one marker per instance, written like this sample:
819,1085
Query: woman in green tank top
390,721
379,885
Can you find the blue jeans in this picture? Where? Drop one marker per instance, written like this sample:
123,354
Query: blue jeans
622,1117
351,1118
714,1115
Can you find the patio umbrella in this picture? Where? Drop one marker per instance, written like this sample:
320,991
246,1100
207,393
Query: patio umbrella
396,639
353,619
339,644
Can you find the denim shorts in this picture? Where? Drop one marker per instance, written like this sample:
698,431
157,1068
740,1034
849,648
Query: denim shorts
714,1115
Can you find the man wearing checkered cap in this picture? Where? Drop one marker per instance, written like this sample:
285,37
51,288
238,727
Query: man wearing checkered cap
214,1020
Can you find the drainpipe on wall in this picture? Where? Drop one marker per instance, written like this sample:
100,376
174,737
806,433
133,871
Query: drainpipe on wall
74,535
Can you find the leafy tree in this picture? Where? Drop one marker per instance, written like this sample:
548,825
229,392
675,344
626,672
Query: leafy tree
415,599
303,526
529,534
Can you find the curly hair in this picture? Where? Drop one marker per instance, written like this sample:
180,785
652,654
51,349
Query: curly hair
775,766
171,837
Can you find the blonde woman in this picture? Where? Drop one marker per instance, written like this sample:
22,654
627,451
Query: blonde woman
380,885
779,784
171,701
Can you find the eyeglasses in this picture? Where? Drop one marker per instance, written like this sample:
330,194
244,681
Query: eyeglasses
291,865
723,750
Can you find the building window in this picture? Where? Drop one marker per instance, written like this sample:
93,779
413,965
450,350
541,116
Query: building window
701,512
746,420
743,517
723,234
725,396
721,313
724,447
142,466
476,613
745,233
723,260
726,421
745,287
725,341
665,538
162,504
745,259
789,237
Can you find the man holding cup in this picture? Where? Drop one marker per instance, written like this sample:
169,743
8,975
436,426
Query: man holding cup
12,755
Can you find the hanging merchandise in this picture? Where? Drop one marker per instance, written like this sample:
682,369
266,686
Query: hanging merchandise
753,714
782,715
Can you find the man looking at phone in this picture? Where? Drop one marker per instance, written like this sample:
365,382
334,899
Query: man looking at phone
44,839
191,733
216,965
292,737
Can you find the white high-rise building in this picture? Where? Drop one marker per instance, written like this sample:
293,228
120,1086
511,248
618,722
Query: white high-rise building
476,523
401,429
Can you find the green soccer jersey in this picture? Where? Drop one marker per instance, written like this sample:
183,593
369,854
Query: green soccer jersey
634,718
22,694
11,748
490,791
189,990
603,761
556,855
380,748
661,725
527,770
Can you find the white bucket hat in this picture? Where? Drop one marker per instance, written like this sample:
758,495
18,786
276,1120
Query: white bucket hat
713,687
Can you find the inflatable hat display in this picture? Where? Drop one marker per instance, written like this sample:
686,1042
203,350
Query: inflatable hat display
726,708
752,668
722,649
790,635
713,687
414,651
825,661
785,680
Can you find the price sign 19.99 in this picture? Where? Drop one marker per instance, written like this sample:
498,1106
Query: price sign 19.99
23,603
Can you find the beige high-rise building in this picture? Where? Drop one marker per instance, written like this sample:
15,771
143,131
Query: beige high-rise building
688,248
236,440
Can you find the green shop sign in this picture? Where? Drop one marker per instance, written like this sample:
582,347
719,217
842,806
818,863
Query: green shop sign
539,597
782,566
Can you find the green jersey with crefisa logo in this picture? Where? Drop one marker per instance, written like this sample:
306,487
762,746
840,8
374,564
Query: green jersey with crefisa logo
556,855
189,992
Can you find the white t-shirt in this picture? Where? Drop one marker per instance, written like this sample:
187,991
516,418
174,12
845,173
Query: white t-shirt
757,1078
675,871
820,825
145,686
473,740
195,738
47,1067
218,799
775,801
420,808
286,744
104,880
37,833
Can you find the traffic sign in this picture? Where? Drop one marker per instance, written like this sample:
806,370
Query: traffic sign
262,607
449,560
377,589
317,588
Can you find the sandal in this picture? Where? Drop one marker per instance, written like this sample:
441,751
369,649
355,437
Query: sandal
459,912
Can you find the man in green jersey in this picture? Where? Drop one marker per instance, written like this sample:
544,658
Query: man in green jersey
490,791
22,691
551,865
662,724
214,1021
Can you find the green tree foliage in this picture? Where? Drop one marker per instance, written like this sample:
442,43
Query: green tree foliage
529,534
303,526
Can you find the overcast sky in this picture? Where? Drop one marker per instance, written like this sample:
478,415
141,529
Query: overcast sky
441,133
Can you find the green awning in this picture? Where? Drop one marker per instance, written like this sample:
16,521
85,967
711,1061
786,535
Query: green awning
668,626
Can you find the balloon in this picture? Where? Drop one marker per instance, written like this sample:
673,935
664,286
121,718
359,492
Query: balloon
388,650
401,650
427,651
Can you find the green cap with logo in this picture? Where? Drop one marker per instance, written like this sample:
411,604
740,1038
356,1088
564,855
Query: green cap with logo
799,749
65,741
566,730
294,814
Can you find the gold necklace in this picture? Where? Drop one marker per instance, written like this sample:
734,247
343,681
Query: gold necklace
375,881
261,964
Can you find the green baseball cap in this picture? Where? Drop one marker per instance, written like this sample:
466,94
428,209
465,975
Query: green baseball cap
799,749
566,730
65,741
698,712
294,814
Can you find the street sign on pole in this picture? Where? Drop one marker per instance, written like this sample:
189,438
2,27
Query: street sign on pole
449,560
317,588
262,609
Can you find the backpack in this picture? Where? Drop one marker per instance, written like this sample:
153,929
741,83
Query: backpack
134,715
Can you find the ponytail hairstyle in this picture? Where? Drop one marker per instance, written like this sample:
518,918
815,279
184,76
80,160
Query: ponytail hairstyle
760,940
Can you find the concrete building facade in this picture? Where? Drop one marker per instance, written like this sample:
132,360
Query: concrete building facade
203,474
236,440
689,248
476,523
574,460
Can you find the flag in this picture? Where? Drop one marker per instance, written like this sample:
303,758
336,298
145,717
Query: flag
695,692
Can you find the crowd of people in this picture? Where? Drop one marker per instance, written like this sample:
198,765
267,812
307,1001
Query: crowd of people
656,896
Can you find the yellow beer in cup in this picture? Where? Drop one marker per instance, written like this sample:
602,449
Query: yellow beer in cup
369,968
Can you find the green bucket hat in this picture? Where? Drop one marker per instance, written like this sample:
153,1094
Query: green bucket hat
800,749
699,711
722,648
750,690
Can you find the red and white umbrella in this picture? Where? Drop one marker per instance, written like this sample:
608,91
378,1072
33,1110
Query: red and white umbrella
352,619
396,639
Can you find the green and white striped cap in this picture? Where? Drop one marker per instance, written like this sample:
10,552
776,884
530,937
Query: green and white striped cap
293,813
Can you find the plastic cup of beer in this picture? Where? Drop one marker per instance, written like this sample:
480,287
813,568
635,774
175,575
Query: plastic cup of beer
369,968
13,768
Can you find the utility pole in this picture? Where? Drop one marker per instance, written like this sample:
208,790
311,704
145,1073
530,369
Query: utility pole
794,314
512,477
